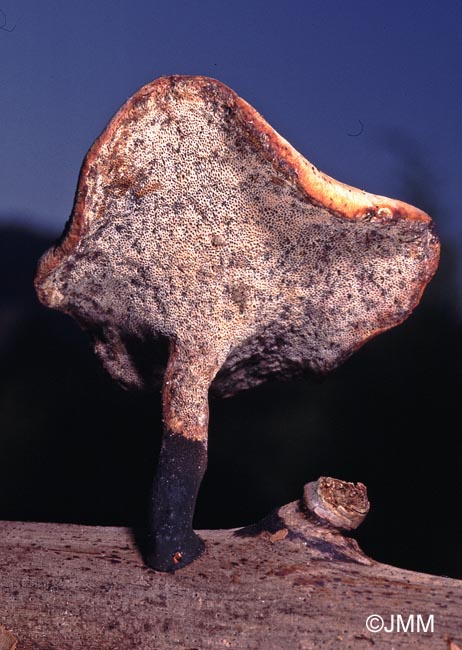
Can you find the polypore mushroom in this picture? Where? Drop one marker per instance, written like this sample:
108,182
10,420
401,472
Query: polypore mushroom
194,220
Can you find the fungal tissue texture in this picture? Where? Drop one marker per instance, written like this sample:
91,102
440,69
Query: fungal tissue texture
194,220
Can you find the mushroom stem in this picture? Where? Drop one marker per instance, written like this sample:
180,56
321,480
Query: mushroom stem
171,542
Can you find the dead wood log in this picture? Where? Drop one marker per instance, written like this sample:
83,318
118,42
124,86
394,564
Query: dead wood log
292,581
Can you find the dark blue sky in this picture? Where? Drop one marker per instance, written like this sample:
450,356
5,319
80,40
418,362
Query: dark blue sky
315,69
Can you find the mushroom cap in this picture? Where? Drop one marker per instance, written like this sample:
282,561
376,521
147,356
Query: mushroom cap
196,221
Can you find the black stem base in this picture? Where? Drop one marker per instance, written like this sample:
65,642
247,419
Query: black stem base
171,541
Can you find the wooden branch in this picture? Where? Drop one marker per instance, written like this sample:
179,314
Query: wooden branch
291,581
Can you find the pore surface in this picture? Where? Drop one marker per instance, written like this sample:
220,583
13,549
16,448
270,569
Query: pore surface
193,232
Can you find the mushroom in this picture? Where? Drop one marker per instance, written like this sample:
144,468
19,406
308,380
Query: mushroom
195,221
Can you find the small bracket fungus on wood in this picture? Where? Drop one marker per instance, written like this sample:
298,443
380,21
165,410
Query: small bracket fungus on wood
195,221
328,508
341,504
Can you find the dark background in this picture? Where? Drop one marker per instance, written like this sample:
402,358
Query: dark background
371,95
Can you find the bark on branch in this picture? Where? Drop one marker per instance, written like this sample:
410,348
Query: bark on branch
292,581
